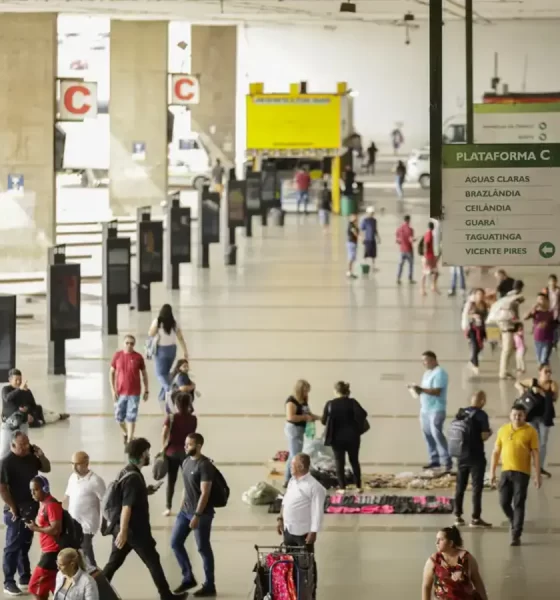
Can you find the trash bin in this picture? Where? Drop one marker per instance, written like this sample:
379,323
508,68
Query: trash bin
365,269
348,206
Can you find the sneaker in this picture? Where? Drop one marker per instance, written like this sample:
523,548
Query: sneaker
185,587
167,512
516,541
398,282
546,473
451,293
205,592
11,589
480,524
181,596
459,522
411,281
431,466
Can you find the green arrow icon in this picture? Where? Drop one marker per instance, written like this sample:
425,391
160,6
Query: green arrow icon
547,249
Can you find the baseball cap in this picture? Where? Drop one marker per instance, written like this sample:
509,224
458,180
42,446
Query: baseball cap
370,210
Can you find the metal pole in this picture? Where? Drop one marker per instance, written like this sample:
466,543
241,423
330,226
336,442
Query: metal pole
436,116
469,67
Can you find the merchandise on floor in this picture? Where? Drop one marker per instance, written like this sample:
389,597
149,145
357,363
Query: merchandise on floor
261,494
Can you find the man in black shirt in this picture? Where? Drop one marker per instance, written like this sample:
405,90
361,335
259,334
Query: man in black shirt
17,471
505,283
17,400
197,514
473,463
135,532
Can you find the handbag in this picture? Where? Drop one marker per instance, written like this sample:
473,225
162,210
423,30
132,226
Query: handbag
362,422
151,346
160,467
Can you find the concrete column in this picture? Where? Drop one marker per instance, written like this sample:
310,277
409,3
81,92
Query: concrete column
214,58
138,115
28,51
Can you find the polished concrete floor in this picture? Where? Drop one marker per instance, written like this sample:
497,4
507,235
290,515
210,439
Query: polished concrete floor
286,312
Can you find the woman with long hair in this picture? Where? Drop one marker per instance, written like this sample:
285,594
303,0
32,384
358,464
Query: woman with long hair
452,572
345,421
176,427
72,580
168,334
298,414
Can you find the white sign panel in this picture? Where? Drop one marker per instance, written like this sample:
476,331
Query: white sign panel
185,89
517,123
501,204
77,100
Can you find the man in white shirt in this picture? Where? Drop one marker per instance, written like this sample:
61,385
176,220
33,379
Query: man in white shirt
303,508
84,492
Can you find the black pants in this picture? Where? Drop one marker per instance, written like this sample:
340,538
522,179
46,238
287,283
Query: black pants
340,449
87,549
476,471
513,495
174,464
475,348
299,541
145,548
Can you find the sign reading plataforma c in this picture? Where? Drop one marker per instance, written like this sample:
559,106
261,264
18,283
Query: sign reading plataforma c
501,204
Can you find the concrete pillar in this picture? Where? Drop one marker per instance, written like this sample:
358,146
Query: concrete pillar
28,51
214,58
138,115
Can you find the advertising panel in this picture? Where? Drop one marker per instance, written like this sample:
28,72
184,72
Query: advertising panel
7,335
150,251
180,238
292,122
118,270
211,218
517,123
64,301
253,193
501,204
236,203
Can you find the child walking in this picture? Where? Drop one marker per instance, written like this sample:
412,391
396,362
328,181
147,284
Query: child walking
520,348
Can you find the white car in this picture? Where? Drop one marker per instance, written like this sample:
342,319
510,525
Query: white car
418,167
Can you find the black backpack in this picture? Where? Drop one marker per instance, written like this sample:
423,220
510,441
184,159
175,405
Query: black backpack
111,505
71,534
460,435
421,247
531,402
219,493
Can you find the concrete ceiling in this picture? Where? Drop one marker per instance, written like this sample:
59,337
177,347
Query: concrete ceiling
288,11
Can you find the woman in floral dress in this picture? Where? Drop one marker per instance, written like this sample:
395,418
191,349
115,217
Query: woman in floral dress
452,572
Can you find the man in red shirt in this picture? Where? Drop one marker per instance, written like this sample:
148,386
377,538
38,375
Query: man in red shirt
405,240
429,260
127,371
48,525
303,183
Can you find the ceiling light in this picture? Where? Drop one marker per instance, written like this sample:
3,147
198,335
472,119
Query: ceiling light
347,7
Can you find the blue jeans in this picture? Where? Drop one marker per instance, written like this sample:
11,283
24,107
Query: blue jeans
179,535
409,258
542,350
295,436
458,273
16,550
432,428
302,198
163,360
543,431
399,181
126,409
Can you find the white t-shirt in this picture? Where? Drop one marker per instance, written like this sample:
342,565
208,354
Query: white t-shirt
85,494
166,339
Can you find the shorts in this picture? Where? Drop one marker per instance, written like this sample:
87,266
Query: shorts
370,250
351,249
42,582
126,409
323,216
429,265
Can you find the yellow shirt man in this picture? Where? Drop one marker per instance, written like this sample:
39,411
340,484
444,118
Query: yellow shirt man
516,446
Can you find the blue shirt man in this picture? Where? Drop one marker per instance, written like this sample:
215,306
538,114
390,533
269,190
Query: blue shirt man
369,227
433,404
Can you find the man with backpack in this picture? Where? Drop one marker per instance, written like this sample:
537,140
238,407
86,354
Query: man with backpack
466,437
204,491
126,514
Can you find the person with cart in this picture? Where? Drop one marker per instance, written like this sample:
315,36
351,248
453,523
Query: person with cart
302,510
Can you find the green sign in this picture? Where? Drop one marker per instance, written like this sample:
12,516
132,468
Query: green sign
501,204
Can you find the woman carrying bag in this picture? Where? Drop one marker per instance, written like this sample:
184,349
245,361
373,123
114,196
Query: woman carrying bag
345,422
